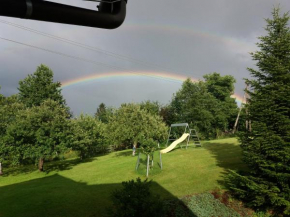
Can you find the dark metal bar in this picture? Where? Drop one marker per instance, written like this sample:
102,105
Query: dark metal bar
109,16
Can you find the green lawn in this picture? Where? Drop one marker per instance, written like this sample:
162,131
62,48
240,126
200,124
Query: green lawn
74,188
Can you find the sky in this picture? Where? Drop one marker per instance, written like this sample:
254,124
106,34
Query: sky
160,44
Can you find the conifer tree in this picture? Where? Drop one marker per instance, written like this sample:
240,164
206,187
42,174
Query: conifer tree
39,87
266,147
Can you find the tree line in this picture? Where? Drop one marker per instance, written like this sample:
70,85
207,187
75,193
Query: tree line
37,125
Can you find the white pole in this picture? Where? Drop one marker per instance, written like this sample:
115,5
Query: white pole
160,160
147,166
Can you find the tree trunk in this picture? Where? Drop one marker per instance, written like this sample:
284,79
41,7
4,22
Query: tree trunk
40,164
1,173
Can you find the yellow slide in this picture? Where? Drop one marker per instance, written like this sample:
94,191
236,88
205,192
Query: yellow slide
175,143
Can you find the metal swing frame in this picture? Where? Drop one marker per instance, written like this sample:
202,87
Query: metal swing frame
186,129
148,162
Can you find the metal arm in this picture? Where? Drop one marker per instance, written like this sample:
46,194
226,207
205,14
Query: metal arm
111,14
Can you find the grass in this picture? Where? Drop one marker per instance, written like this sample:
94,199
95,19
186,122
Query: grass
75,188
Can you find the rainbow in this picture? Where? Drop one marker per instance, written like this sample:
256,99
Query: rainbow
111,75
236,43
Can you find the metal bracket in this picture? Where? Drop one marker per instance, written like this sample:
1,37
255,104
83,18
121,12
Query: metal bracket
105,1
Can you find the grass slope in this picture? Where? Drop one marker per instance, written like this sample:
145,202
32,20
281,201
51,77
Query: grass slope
74,188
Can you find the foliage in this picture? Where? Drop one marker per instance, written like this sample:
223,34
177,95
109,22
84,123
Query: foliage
193,104
38,87
1,96
131,123
152,107
38,133
222,88
136,199
204,205
103,113
266,147
87,136
9,108
148,146
166,112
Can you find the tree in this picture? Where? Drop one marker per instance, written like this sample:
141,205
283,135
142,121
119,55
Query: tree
9,108
88,136
152,107
103,113
38,87
131,123
222,88
266,148
1,96
193,104
166,112
39,133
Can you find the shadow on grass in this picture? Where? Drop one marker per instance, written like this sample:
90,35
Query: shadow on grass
228,155
125,153
59,196
59,165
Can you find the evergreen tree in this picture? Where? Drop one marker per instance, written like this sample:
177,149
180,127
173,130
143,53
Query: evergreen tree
266,147
103,113
38,87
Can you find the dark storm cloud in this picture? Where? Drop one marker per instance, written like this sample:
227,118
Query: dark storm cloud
188,37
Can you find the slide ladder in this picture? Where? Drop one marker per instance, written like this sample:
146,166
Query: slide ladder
194,136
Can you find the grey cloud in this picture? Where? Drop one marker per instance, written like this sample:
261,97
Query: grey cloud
198,37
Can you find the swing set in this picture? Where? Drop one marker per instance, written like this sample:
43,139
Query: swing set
188,133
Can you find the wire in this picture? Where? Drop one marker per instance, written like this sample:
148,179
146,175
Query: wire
88,47
86,60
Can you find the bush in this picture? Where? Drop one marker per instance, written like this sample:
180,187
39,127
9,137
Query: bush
135,199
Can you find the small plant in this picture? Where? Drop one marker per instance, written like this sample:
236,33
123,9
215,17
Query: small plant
136,200
204,205
149,146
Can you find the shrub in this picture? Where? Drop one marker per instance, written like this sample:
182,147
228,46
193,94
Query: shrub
135,199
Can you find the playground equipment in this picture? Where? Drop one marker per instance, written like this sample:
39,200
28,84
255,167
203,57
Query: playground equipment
175,143
148,162
186,129
110,15
193,134
187,134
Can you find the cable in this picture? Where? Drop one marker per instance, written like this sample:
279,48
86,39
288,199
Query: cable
86,60
88,47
